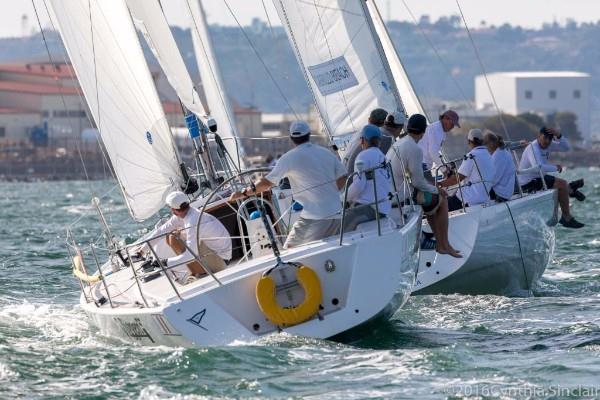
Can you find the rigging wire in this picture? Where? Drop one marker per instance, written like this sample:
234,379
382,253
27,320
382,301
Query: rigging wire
210,67
476,50
331,57
77,144
268,19
261,60
82,100
439,57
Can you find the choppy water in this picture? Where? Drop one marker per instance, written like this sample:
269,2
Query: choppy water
546,346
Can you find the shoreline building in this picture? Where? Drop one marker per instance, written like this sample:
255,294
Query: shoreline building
538,92
41,98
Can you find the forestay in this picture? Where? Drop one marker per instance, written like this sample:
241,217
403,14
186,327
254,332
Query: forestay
217,100
343,62
107,57
412,104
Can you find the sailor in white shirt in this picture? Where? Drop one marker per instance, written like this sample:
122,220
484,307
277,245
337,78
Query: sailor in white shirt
361,193
504,179
434,138
212,245
535,157
316,176
406,159
476,175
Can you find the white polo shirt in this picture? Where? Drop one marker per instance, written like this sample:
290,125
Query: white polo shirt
431,144
312,171
362,189
473,189
212,232
504,178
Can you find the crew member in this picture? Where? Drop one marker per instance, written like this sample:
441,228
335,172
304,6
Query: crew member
534,158
434,138
316,176
212,245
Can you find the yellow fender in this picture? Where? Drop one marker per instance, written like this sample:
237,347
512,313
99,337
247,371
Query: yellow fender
78,271
267,302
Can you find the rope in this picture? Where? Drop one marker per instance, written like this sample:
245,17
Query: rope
83,101
268,71
439,57
268,19
331,57
519,243
476,50
210,66
77,144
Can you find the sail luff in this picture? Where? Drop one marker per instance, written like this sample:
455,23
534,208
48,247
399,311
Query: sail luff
122,98
219,106
150,20
410,100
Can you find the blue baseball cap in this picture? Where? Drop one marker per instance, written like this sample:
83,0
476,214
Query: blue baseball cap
370,131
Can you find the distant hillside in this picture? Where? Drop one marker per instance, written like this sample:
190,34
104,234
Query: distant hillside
504,48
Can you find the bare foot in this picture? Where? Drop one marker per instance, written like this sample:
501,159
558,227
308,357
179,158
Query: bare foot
450,251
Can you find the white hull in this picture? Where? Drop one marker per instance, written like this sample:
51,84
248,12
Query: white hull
373,275
495,259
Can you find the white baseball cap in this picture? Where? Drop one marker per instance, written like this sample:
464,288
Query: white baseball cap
396,118
299,129
176,199
475,134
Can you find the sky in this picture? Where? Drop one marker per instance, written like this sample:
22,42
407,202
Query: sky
526,13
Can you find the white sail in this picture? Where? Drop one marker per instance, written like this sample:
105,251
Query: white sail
217,100
106,54
412,104
342,60
151,22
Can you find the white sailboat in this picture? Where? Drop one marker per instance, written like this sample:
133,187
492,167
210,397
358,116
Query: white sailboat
319,289
506,247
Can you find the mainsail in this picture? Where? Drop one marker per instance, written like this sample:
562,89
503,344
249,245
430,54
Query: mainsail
337,47
212,83
106,54
150,20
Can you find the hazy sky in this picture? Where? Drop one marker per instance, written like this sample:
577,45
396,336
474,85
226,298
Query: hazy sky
527,13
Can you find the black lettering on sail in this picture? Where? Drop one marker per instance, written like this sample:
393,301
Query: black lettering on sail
333,76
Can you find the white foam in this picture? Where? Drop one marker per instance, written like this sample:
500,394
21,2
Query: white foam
6,373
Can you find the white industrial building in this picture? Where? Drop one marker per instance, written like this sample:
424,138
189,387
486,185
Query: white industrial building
538,92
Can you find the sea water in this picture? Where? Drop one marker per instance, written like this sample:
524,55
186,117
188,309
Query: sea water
545,346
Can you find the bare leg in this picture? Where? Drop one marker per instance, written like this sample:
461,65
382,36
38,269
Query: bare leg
178,248
441,225
563,197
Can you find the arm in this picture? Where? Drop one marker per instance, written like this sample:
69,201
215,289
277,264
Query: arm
540,162
340,172
433,148
359,181
415,168
560,144
261,185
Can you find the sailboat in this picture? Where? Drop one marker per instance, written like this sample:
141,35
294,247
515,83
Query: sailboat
505,246
319,289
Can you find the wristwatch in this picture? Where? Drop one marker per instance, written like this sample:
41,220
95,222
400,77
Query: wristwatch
245,192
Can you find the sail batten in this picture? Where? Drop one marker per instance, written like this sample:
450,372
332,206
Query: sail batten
107,57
